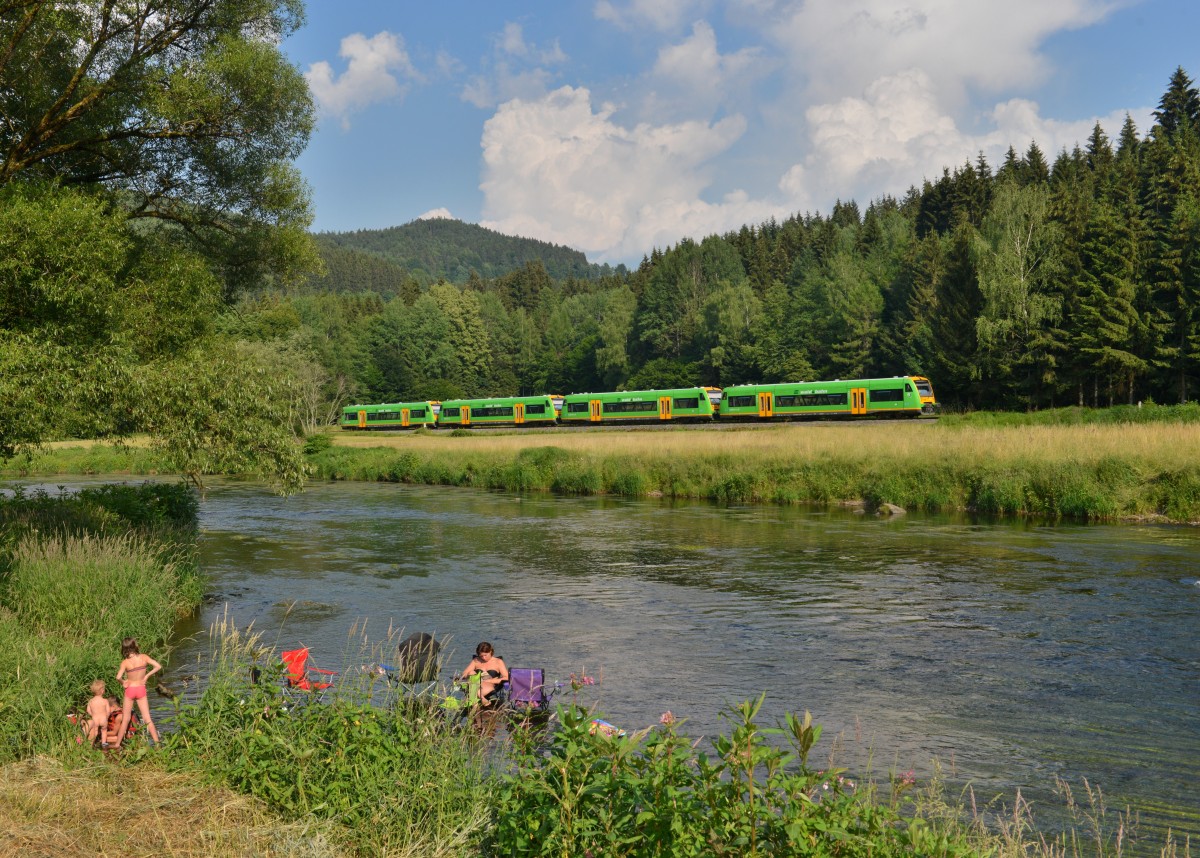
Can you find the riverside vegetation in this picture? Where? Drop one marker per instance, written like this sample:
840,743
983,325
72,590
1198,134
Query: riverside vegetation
1083,464
365,772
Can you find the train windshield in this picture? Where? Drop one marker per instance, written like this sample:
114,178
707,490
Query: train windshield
924,387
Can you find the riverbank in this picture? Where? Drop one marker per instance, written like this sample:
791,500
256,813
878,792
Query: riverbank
350,775
1142,467
1081,472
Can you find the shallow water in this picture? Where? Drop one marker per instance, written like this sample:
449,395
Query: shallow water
1010,653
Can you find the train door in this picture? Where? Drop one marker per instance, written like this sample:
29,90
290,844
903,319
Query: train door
766,404
466,415
519,413
858,400
594,412
664,408
404,417
362,420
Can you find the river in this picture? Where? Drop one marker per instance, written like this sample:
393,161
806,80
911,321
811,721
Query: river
1010,653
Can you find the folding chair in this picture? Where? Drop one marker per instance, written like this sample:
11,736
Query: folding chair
527,689
296,663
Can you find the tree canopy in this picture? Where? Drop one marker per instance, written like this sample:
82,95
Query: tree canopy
145,177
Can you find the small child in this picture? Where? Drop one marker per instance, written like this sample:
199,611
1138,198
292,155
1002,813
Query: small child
97,715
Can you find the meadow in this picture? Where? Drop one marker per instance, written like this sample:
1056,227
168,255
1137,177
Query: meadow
1092,471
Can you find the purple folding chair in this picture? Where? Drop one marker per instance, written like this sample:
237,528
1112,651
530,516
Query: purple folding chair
527,689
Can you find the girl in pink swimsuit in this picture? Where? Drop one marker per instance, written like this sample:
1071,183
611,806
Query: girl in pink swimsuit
135,669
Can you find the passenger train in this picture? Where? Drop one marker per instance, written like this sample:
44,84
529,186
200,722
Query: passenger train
900,396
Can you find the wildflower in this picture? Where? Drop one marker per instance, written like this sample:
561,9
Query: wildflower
667,718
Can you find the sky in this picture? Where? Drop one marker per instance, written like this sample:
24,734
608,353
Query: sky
620,126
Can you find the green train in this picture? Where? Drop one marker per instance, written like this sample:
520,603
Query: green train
511,410
689,403
398,415
901,396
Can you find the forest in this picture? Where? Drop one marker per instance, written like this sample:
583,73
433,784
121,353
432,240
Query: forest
1029,284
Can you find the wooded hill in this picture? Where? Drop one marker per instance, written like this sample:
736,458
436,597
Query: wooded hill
425,251
1032,283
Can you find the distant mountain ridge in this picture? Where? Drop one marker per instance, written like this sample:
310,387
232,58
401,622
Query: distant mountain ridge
441,248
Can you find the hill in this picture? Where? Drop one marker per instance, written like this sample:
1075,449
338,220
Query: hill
439,248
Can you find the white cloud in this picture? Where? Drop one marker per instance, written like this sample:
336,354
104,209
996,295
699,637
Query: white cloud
694,76
517,69
558,169
369,76
661,15
875,96
436,214
842,46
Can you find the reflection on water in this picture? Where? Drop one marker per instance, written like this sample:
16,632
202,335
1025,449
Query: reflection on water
1011,653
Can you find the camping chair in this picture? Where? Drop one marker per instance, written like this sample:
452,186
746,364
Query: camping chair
298,670
527,690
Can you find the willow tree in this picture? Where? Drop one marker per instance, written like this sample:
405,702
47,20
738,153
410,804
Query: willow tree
158,134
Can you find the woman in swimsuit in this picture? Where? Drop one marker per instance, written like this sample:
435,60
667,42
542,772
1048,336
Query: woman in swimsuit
492,667
135,669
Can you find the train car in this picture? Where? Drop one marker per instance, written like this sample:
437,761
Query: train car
509,411
925,391
888,397
691,403
397,415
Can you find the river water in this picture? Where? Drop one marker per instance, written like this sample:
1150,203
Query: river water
1011,654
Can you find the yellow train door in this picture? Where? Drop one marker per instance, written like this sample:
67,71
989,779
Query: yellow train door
766,404
362,420
858,400
519,412
404,417
664,408
594,410
466,415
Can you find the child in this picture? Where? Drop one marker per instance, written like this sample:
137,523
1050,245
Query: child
97,716
135,669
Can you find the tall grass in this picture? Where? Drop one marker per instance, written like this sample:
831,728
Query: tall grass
77,574
1088,472
393,775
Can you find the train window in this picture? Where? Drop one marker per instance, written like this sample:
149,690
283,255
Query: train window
889,394
686,403
451,412
535,409
630,407
908,387
417,412
740,401
494,411
577,408
810,400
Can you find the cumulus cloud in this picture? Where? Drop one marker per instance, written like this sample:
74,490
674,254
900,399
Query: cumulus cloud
370,76
516,69
694,76
562,170
865,98
436,214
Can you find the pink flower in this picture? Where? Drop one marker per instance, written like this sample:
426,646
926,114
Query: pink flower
667,718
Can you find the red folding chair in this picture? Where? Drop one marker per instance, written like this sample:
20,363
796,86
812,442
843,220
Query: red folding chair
299,671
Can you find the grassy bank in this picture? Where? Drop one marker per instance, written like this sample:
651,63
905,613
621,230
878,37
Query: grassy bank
77,574
1090,472
1083,464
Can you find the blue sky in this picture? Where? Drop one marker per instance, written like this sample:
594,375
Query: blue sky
617,126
